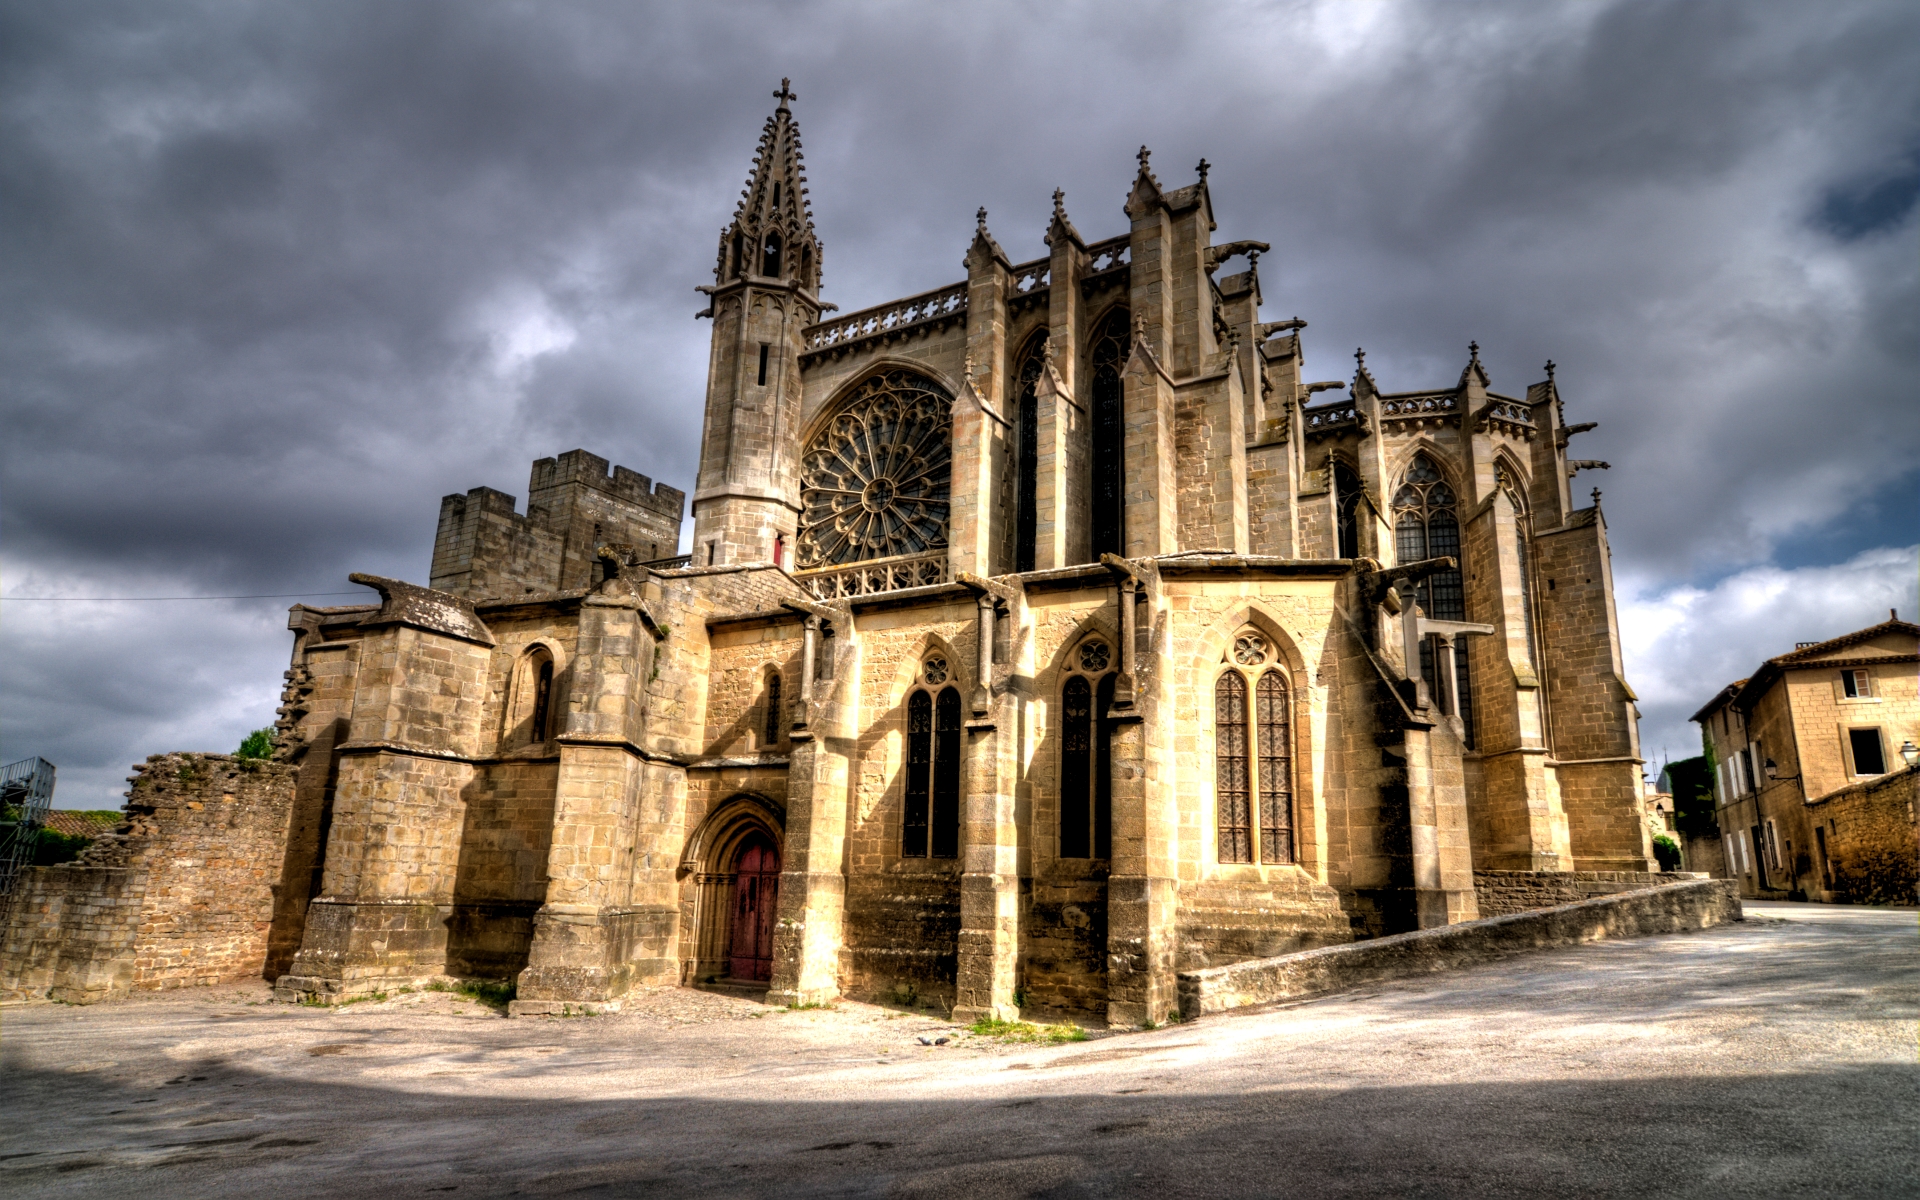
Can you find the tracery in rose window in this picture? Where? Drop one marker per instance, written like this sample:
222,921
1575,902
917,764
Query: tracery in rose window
874,483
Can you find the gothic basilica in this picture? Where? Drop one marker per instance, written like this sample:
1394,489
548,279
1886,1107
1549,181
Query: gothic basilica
1045,635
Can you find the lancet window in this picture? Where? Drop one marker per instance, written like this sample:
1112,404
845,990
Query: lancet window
770,257
1106,359
1346,508
930,826
1253,754
1511,484
773,710
1027,511
531,717
1086,753
1427,525
874,481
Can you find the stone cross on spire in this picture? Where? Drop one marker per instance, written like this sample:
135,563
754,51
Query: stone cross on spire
1203,168
786,92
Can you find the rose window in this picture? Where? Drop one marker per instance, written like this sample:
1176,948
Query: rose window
874,482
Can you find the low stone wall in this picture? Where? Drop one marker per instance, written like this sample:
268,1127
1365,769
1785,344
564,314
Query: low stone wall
1676,908
1872,839
1501,892
180,895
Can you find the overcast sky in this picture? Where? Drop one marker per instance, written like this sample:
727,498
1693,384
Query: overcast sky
276,277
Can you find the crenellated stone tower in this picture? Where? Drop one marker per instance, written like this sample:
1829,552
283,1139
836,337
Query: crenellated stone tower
765,293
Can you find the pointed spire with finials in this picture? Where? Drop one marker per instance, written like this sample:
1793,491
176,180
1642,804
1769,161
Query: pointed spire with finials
1363,382
772,235
1060,227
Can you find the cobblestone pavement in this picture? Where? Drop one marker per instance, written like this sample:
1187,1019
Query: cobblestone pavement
1769,1058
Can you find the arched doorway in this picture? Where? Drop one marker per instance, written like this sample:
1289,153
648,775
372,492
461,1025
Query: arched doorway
756,895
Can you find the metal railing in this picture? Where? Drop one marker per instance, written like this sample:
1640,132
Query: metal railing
26,793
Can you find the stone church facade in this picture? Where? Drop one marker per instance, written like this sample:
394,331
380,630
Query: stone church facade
1044,634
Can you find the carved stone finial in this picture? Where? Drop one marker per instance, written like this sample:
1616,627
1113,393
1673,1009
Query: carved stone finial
1140,326
1203,168
1360,358
1473,351
1596,497
968,369
786,92
1143,156
1048,351
1059,207
1549,370
980,219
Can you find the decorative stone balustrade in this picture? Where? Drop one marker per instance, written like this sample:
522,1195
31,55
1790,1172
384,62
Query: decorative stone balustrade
876,575
1333,419
1109,255
1032,277
1508,416
1405,407
916,314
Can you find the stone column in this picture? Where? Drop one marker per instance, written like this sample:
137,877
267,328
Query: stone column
989,941
811,928
1141,895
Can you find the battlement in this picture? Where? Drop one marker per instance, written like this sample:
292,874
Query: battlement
484,549
590,470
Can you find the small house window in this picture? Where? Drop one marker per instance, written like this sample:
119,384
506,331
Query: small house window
1868,757
1856,684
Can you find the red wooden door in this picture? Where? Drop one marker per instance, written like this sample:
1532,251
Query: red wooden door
756,891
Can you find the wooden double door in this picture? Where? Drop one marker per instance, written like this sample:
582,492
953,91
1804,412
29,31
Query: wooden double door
756,896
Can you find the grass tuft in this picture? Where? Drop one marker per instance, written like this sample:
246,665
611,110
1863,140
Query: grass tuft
1026,1031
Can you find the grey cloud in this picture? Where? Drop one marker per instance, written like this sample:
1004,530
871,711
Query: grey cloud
274,277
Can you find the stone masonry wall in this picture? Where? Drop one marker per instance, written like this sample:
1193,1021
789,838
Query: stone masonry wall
1872,839
181,895
1523,891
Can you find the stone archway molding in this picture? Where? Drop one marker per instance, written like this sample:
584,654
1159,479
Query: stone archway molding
744,808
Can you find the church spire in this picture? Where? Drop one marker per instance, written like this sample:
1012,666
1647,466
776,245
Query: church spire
772,236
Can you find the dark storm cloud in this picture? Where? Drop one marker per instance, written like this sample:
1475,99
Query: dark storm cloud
275,277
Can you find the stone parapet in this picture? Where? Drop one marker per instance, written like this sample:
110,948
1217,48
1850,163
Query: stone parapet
1502,892
1676,908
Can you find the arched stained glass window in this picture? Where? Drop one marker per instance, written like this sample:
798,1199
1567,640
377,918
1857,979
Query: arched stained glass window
1076,766
1346,507
1427,525
874,482
1273,734
1086,753
930,821
1230,768
1027,511
913,837
946,774
1106,358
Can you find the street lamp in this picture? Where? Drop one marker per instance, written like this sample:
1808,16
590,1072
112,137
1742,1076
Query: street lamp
1910,752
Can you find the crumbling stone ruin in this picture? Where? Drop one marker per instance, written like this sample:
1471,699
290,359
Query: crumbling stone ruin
1045,634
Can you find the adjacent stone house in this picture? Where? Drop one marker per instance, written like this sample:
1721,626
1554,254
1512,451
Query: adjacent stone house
1810,780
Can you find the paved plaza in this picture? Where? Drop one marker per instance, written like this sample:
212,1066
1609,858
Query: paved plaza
1775,1057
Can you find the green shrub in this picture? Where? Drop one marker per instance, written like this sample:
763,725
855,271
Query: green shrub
258,744
52,847
1667,852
